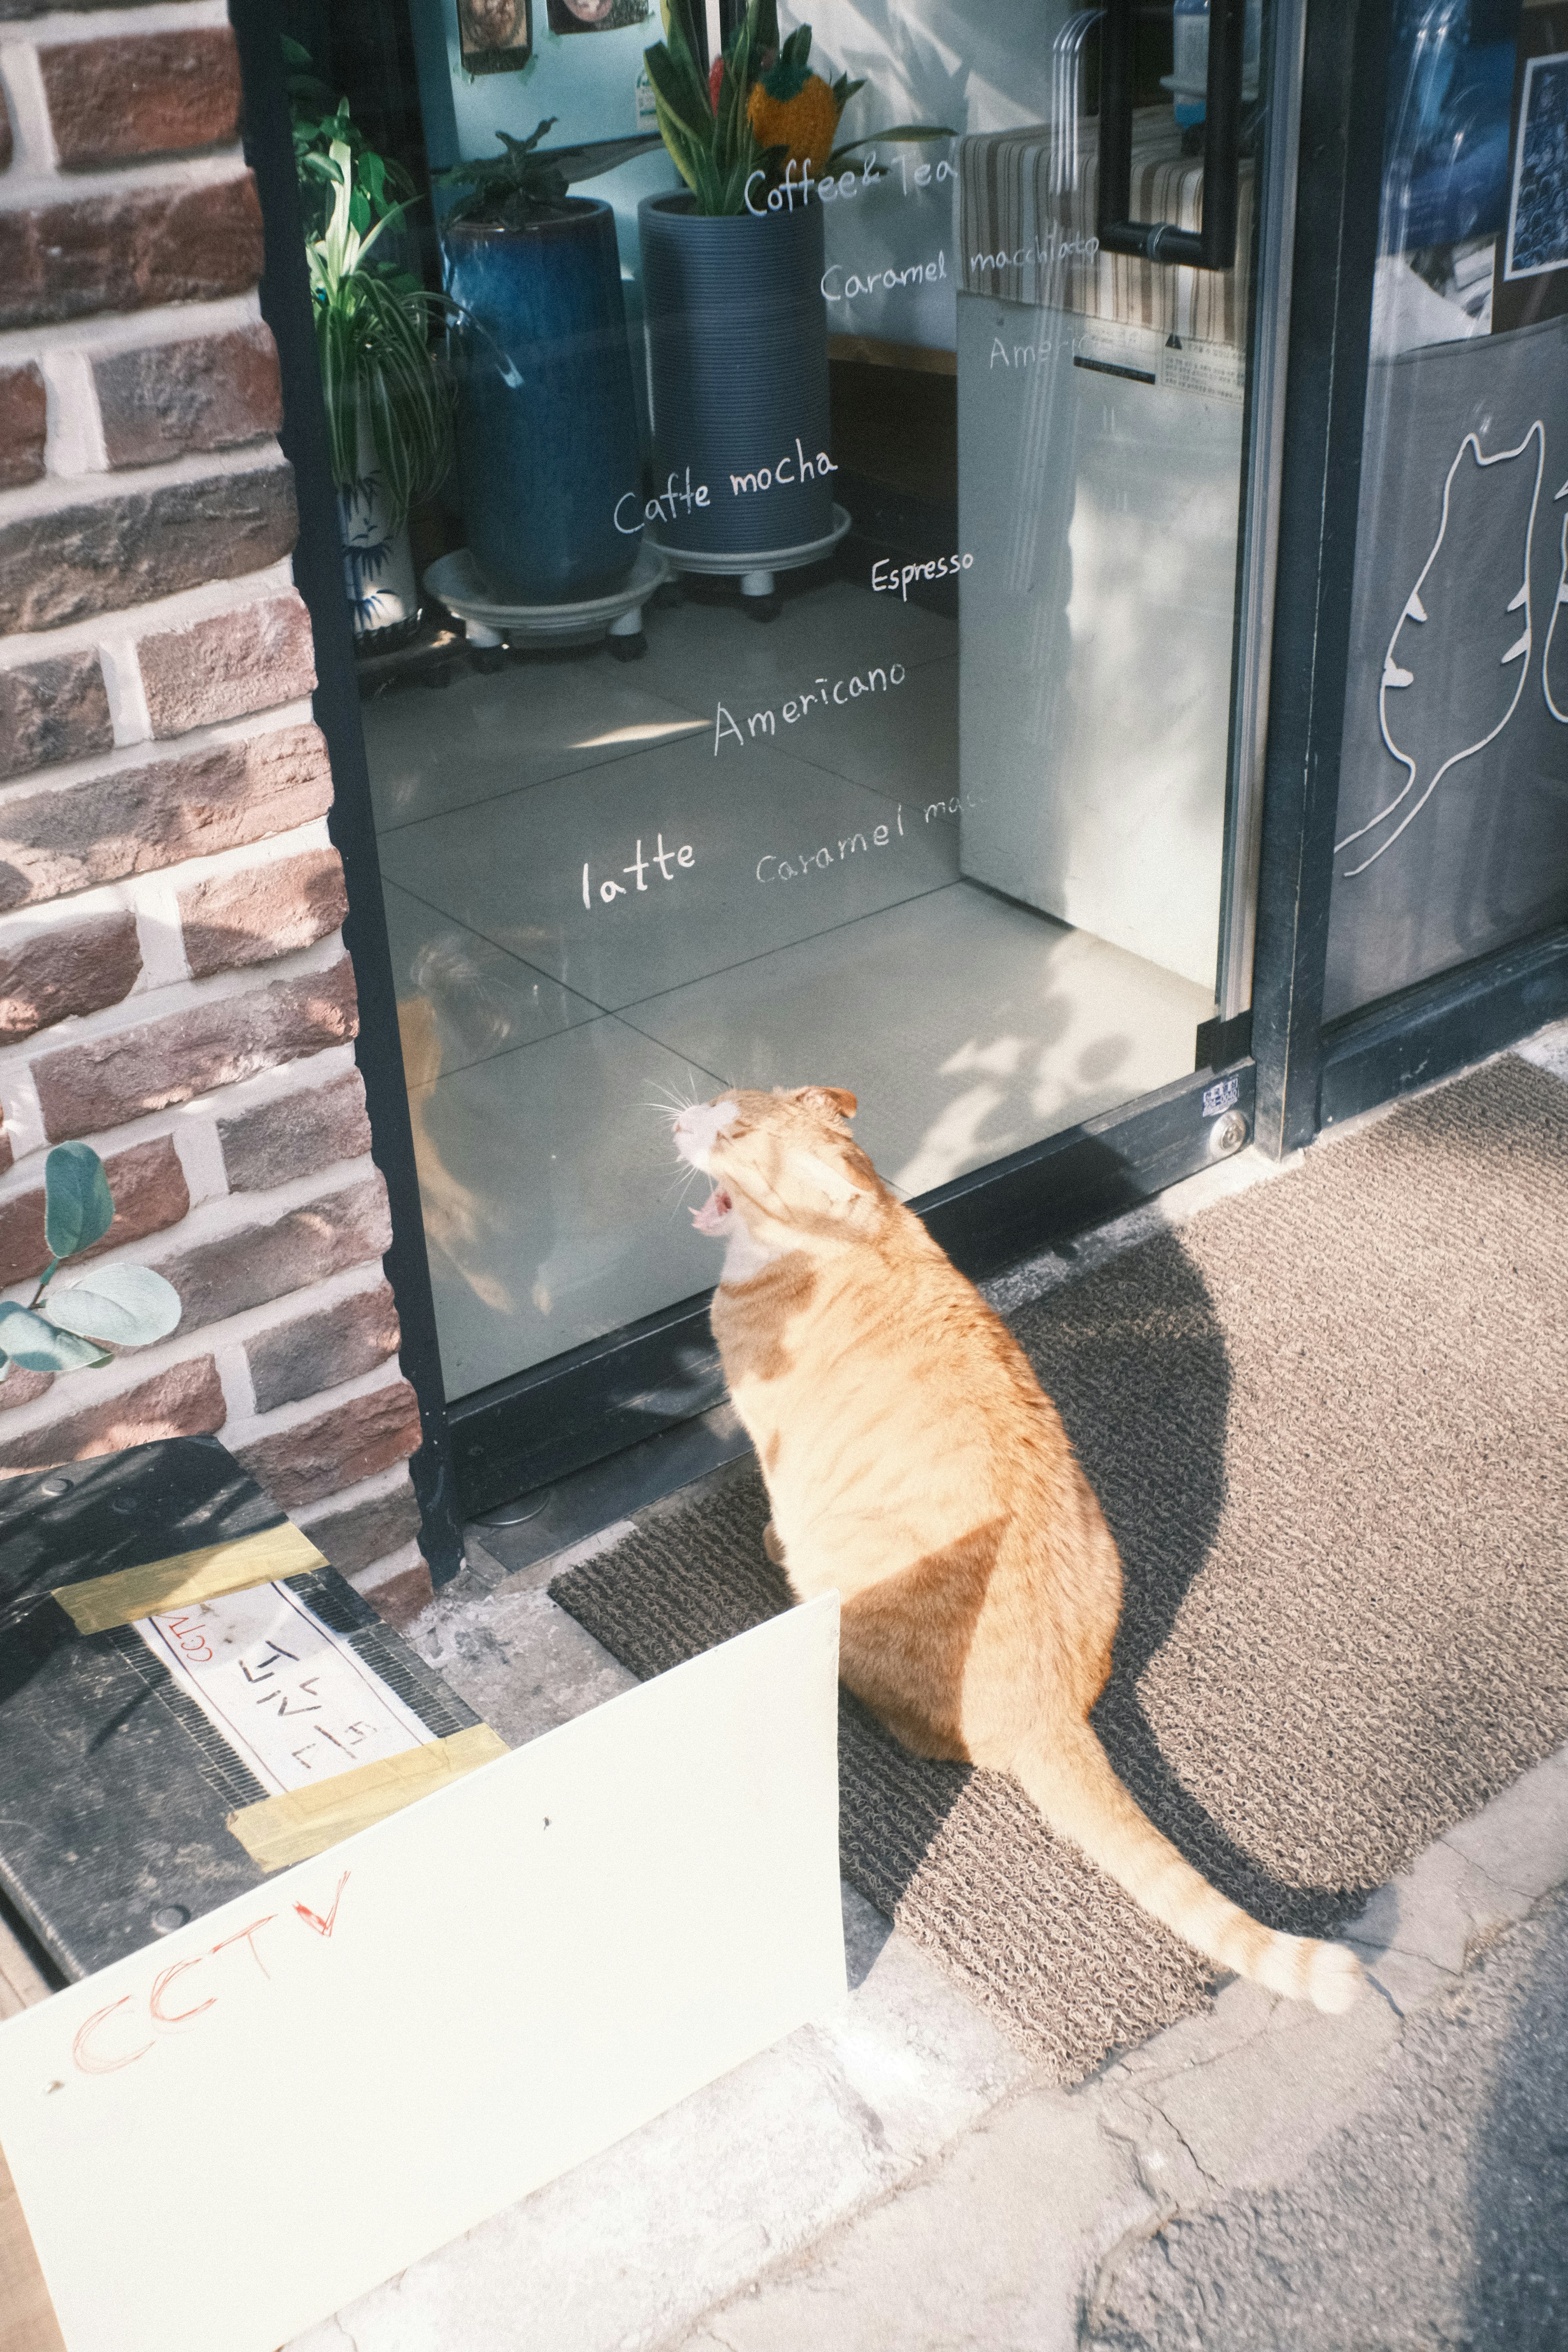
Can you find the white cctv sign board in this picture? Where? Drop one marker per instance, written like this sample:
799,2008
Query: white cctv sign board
219,2141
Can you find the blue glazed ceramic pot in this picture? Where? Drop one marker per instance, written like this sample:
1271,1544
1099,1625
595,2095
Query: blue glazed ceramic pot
737,335
547,431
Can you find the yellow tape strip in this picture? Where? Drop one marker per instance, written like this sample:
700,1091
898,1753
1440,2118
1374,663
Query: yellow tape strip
188,1577
305,1822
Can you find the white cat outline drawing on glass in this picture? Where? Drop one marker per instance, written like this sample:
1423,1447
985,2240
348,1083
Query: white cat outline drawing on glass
1398,675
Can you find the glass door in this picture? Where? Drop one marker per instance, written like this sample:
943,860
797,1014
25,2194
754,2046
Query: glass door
843,629
1452,836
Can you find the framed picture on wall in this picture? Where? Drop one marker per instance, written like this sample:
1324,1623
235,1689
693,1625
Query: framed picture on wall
497,36
596,15
1538,202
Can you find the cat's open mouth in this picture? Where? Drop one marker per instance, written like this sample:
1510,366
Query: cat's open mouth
709,1218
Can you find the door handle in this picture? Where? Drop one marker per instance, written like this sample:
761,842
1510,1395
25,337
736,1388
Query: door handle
1213,247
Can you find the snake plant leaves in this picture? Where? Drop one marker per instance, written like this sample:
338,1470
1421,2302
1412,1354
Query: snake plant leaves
38,1347
128,1305
78,1207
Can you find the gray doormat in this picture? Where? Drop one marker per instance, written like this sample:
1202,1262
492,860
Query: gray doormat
1325,1423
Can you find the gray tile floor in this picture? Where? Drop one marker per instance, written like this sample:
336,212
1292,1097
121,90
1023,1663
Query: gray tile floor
608,887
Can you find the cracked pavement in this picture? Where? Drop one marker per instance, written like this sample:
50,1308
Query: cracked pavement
1437,2216
1260,2175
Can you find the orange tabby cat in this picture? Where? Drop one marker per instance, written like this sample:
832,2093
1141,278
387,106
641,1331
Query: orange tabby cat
913,1463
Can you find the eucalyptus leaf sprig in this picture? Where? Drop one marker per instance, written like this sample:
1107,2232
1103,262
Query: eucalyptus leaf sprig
76,1328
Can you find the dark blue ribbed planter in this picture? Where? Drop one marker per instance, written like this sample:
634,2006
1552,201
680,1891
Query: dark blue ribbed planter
544,459
737,336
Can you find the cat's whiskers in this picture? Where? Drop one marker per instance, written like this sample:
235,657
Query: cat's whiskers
683,1102
680,1184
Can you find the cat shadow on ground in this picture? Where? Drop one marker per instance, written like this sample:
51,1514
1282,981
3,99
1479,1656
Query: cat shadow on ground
1135,1360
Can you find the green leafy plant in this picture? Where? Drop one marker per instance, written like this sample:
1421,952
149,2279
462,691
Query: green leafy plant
373,326
760,108
510,190
712,146
78,1326
318,122
372,318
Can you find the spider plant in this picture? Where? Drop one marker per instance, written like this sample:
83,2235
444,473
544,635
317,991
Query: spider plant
318,118
373,325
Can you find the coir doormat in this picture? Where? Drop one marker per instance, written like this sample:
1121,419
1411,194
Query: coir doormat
1325,1422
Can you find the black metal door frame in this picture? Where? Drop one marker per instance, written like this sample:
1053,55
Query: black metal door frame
319,576
1311,1076
539,1425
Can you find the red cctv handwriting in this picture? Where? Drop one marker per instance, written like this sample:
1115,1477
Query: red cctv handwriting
118,2034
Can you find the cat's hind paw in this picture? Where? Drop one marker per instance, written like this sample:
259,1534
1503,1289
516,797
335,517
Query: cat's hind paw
771,1545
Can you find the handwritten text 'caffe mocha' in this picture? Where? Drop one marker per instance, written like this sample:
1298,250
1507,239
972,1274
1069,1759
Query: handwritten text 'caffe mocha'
673,498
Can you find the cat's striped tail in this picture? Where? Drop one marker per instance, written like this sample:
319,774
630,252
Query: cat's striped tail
1071,1779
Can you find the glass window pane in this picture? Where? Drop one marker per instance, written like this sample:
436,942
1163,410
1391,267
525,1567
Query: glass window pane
1453,808
817,663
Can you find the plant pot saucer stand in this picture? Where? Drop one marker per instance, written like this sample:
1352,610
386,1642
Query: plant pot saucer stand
755,568
490,626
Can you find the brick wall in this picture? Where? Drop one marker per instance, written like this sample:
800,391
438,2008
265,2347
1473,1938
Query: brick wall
173,979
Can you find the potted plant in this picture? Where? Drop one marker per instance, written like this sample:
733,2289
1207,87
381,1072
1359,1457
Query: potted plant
732,272
389,427
548,453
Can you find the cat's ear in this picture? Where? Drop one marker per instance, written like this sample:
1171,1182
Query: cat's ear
829,1102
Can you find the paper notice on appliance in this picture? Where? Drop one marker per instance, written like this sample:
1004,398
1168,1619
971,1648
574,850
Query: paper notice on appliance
1114,344
1217,369
318,2083
290,1696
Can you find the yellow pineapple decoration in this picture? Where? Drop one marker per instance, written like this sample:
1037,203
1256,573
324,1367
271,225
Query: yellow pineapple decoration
794,108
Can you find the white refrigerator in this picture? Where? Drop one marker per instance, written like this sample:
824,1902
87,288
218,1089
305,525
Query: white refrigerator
1100,404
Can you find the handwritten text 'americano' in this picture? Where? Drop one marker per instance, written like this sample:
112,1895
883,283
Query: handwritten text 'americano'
842,691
